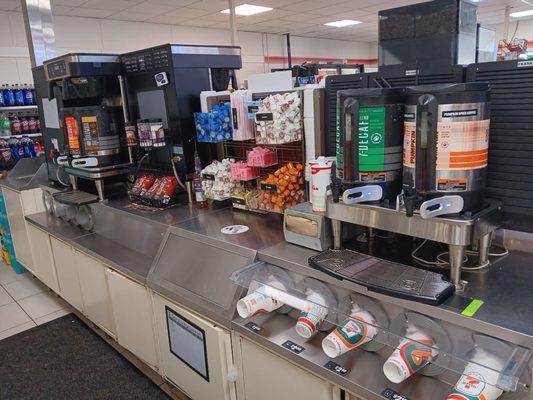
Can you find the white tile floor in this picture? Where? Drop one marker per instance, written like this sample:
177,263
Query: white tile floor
25,302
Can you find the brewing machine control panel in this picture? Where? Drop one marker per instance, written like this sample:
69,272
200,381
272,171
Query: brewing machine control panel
147,60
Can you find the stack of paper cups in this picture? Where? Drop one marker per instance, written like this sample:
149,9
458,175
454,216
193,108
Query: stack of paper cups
257,302
310,319
414,352
351,333
320,180
479,379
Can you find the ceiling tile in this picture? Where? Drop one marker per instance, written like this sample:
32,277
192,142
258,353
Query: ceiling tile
90,12
61,10
187,12
113,5
151,8
67,3
129,16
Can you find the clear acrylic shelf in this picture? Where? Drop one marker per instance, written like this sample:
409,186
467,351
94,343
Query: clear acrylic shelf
504,363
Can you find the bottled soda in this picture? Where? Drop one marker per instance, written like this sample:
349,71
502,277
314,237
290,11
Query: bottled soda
5,125
37,125
32,125
2,102
15,125
24,126
29,98
9,97
19,95
201,201
29,148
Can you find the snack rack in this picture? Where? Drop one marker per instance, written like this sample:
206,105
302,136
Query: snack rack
291,152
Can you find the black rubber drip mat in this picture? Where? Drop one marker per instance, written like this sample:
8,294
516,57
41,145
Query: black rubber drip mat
75,198
383,276
64,359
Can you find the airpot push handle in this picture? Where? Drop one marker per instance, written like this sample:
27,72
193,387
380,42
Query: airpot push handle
351,140
426,150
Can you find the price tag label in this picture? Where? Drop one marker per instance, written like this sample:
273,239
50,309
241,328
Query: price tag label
295,348
393,395
253,327
208,177
338,369
264,117
269,188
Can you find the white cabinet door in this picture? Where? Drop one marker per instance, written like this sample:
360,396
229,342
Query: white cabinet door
43,264
212,381
93,285
267,376
67,273
17,225
132,312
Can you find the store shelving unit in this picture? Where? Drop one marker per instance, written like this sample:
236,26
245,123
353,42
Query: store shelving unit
18,108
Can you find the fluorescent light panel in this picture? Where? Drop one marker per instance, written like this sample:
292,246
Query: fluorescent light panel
519,14
248,9
342,23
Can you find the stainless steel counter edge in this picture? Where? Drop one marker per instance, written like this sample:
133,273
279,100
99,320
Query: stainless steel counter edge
72,242
450,316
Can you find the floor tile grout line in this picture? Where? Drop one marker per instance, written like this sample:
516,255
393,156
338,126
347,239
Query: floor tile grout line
16,326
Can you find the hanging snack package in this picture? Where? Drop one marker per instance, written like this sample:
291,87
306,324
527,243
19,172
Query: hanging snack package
243,128
279,119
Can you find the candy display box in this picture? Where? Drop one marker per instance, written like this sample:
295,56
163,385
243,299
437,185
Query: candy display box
243,172
216,125
279,119
262,157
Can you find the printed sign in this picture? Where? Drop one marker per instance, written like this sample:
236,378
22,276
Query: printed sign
371,138
295,348
338,369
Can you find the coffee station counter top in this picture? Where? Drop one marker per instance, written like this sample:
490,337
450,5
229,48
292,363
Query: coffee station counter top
170,216
504,289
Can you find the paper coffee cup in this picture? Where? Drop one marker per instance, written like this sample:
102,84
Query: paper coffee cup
413,353
310,319
256,303
479,379
352,333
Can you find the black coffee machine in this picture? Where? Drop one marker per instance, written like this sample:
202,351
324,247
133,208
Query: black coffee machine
87,90
163,93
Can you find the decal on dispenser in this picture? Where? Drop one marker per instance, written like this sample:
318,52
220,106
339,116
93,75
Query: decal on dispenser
90,135
462,145
71,125
371,138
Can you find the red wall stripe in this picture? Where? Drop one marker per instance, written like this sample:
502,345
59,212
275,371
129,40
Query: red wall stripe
300,60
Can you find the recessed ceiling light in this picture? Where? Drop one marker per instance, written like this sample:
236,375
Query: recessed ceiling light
342,23
519,14
248,9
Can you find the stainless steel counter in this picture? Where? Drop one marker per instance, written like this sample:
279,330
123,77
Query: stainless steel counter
170,216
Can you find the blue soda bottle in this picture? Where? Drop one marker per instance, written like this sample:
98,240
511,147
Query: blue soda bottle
2,102
28,95
18,92
9,97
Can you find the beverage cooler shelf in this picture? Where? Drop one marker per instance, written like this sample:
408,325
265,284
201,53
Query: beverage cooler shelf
408,344
18,108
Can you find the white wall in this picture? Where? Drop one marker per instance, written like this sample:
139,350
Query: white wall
75,34
524,30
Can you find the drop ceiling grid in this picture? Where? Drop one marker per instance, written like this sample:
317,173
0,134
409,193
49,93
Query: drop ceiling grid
305,18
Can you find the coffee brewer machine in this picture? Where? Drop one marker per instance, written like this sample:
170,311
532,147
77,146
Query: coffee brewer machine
163,92
87,89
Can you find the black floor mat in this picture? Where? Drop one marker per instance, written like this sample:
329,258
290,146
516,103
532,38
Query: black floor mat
64,359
